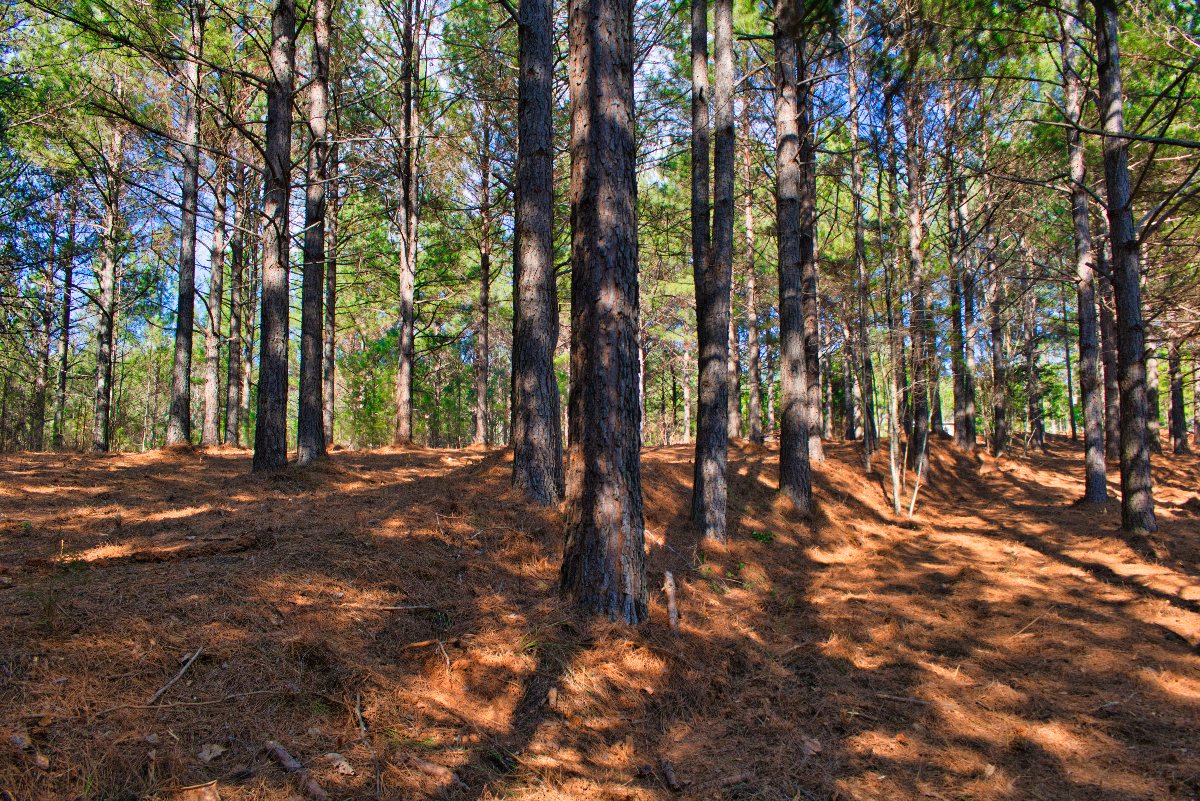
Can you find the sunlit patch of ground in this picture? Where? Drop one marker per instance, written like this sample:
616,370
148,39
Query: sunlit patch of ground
398,608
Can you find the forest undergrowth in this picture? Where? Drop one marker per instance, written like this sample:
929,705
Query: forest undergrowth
391,619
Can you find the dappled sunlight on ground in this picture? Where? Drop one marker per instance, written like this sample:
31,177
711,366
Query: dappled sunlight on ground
398,607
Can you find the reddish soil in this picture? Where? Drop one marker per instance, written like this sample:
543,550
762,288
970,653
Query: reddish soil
1003,644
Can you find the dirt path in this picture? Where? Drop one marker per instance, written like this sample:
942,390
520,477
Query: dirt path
1002,645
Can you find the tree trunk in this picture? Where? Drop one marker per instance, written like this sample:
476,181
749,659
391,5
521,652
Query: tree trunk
107,280
860,352
1108,355
237,294
407,223
795,476
1137,499
754,368
1177,422
210,432
712,274
996,323
482,354
808,249
1154,416
179,423
604,560
329,339
310,434
270,431
1066,342
918,326
1095,487
536,421
64,337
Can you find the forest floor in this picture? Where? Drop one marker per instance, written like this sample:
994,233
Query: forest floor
391,619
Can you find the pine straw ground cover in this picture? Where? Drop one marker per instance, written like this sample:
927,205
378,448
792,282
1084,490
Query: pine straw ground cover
1001,645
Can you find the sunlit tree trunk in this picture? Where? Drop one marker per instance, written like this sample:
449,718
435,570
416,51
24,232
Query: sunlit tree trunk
604,560
918,326
179,423
210,431
270,431
1095,488
753,357
1137,499
808,247
482,348
795,477
57,439
106,296
329,338
712,273
237,302
310,434
536,418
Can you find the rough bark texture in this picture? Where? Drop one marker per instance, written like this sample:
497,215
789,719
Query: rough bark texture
1137,499
808,248
1095,488
310,434
536,419
210,432
795,476
604,560
179,422
270,431
712,279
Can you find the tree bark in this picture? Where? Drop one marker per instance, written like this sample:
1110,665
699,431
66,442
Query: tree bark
64,337
754,363
859,350
711,269
237,300
106,299
1177,421
329,338
1154,414
808,249
270,431
310,434
407,223
210,432
996,324
918,326
604,567
179,422
795,476
482,346
1137,498
1108,356
536,418
1095,487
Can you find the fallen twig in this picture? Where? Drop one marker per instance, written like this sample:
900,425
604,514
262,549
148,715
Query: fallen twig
366,738
292,765
154,698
